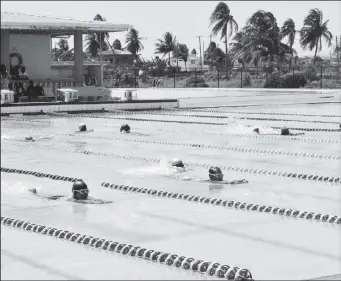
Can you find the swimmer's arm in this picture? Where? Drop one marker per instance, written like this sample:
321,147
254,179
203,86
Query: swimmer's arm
52,197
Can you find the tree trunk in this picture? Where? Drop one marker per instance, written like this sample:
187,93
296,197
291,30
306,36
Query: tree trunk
317,43
292,56
186,65
226,55
169,59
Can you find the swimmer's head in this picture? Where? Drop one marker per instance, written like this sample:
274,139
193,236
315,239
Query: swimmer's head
82,127
215,174
80,190
125,128
177,163
284,131
29,139
256,130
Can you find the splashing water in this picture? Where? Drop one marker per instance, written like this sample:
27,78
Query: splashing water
162,169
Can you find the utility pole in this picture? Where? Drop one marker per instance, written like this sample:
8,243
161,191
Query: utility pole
203,50
200,50
209,59
338,50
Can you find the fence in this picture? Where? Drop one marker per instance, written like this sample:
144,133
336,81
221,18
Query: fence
324,77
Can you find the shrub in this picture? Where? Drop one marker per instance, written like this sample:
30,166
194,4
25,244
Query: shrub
286,81
246,81
310,73
273,81
293,81
195,82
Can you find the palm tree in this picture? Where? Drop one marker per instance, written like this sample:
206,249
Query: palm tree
62,52
183,53
97,41
313,30
117,45
260,41
166,46
288,30
223,20
102,37
214,55
133,41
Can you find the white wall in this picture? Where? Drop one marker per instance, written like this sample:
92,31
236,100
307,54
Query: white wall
36,53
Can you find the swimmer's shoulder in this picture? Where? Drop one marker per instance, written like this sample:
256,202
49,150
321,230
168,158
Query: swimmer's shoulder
90,200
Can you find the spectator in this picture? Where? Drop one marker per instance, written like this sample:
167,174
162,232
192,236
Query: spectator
4,77
31,91
39,90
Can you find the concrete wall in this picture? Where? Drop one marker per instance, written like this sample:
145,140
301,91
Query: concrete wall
36,53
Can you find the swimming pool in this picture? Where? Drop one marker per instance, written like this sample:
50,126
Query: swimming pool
271,246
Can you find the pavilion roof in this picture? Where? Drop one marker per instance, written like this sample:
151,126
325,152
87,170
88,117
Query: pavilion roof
56,25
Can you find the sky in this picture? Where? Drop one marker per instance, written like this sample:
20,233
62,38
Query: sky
184,19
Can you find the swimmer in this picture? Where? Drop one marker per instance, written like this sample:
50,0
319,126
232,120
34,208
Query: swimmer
256,130
179,165
216,175
29,139
82,128
125,128
80,194
284,132
26,139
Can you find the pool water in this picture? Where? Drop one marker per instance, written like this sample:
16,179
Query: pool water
270,246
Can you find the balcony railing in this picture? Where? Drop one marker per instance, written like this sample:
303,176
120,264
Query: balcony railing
61,63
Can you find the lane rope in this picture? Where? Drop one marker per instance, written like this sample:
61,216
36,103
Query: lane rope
172,260
178,121
245,112
219,147
197,199
24,120
132,119
115,111
228,203
295,175
279,137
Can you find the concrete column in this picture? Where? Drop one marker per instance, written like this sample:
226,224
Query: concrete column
101,84
78,64
5,49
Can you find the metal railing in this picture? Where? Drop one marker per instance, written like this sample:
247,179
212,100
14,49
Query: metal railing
308,77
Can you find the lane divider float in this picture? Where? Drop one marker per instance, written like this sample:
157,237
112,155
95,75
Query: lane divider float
172,260
219,147
180,122
295,175
325,218
24,120
279,137
214,116
248,112
133,119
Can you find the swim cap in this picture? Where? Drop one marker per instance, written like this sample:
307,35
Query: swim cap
256,130
80,190
215,174
177,163
79,185
284,131
82,127
29,139
125,127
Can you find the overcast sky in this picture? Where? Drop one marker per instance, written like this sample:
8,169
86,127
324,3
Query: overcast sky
184,19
